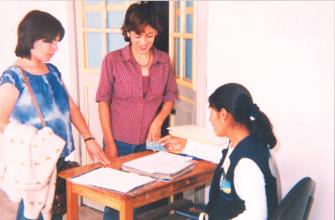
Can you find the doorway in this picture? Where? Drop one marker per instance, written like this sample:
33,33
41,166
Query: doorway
177,38
162,42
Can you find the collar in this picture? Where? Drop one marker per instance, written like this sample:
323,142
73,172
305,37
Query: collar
127,55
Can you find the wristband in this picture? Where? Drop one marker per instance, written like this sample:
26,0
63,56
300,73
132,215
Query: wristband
88,139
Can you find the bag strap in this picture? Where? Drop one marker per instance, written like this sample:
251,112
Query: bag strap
26,81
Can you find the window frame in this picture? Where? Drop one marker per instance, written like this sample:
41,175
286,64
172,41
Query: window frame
103,8
182,35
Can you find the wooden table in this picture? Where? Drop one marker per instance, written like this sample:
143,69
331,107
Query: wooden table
126,202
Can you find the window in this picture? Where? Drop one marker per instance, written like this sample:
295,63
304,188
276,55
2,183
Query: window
101,30
181,38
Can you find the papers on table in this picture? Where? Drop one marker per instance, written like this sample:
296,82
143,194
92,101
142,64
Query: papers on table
112,179
161,165
198,133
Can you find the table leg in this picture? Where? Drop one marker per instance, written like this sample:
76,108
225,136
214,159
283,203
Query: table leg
71,203
126,210
171,201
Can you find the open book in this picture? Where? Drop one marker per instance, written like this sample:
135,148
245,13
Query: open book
112,179
161,165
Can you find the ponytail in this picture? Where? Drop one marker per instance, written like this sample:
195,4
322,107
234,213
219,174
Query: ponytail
260,126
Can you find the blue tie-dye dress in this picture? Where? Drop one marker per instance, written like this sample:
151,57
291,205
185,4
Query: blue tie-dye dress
51,97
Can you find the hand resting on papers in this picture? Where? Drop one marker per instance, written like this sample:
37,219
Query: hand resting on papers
173,144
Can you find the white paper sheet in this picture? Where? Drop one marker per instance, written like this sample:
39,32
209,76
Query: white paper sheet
112,179
160,162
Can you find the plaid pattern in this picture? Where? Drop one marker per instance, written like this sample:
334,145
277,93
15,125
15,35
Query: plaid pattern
121,86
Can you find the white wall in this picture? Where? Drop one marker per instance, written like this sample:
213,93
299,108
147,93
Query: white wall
12,13
283,52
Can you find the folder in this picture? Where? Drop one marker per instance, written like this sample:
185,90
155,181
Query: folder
161,165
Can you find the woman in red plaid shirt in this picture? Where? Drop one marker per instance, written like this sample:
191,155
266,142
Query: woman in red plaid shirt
135,82
137,89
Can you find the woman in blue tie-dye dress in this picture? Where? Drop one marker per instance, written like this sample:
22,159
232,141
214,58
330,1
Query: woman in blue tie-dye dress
38,37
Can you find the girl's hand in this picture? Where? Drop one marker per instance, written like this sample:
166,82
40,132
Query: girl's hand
95,152
173,144
111,151
154,133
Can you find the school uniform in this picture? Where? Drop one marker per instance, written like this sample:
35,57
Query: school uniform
225,200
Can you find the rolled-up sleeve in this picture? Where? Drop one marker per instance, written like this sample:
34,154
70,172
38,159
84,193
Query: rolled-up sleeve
171,90
105,87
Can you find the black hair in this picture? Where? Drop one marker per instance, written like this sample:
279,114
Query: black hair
34,26
138,15
237,100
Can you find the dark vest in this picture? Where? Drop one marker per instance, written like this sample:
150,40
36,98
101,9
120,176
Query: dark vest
223,205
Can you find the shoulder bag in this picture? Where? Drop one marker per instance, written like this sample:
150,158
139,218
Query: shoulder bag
59,203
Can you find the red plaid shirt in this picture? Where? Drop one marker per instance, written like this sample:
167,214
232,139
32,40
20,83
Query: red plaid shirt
121,86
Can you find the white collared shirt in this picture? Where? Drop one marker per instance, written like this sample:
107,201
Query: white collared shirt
248,179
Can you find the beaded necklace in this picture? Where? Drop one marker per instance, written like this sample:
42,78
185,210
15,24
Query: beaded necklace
145,65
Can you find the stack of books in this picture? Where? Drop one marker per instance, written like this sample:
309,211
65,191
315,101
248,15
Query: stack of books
161,165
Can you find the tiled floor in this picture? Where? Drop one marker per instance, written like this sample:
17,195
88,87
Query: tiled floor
8,210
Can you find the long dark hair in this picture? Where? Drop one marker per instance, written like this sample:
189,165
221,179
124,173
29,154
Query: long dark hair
237,100
34,26
138,15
